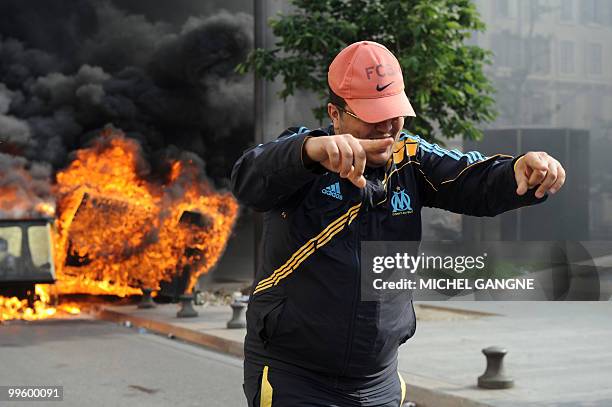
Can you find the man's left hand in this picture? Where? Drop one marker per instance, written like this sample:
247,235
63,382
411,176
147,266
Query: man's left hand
538,168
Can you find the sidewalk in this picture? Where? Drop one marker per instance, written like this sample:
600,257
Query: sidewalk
558,353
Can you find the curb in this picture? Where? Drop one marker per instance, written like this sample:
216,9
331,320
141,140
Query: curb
427,392
226,346
460,311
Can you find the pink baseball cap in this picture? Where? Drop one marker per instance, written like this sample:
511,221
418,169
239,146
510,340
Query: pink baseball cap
369,78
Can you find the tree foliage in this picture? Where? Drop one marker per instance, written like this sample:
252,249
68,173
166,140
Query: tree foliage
444,77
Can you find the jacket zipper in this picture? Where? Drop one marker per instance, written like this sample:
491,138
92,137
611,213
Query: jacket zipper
349,346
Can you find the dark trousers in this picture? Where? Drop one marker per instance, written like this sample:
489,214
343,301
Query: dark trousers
265,386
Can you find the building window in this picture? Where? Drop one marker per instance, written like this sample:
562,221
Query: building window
534,9
602,8
507,49
594,59
587,11
567,10
502,8
566,56
538,10
540,55
595,11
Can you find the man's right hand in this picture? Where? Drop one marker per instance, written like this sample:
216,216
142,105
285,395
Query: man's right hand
344,154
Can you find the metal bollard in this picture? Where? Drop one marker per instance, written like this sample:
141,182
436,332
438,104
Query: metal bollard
494,376
238,320
187,310
146,301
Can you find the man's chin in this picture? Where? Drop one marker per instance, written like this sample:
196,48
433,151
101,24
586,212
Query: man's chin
378,160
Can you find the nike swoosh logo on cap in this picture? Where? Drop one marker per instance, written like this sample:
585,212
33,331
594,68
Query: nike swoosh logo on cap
381,88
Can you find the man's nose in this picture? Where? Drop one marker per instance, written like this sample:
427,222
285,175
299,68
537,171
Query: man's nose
385,126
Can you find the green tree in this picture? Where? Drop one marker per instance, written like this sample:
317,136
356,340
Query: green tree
444,76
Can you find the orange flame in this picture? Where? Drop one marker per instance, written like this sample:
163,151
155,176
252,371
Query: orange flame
127,233
14,308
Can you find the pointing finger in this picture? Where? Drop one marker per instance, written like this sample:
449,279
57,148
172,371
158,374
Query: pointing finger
374,145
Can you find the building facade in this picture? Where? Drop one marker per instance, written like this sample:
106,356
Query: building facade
552,61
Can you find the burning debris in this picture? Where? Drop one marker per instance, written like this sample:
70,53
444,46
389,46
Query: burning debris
120,228
119,232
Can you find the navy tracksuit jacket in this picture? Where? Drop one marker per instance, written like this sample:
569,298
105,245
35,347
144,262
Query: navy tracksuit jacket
305,309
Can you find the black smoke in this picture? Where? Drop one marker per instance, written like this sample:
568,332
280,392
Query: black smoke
70,67
23,186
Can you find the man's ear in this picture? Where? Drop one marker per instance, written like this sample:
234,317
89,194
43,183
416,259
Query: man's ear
334,114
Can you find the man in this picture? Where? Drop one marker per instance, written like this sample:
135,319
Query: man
310,340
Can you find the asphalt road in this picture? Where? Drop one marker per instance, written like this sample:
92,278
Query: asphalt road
104,364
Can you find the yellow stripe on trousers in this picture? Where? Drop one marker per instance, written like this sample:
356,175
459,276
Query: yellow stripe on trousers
308,248
265,399
403,386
